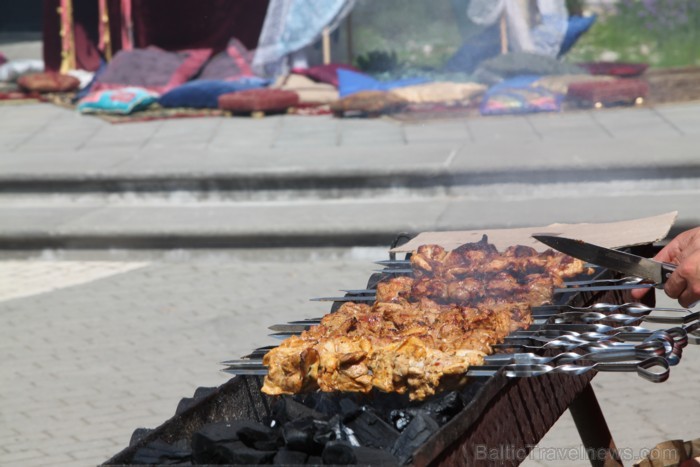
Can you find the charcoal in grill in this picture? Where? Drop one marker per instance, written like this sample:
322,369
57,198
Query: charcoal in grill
224,441
372,431
421,427
338,453
289,457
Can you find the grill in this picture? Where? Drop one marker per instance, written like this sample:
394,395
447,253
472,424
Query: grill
501,418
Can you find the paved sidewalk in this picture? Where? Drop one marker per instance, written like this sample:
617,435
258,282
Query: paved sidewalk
85,365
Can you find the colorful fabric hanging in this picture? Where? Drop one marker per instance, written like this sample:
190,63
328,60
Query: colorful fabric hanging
105,39
67,36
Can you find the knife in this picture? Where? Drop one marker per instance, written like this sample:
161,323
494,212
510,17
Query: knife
616,260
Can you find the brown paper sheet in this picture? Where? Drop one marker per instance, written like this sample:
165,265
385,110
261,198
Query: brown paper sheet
609,235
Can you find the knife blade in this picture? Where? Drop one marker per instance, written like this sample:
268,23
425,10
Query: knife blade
616,260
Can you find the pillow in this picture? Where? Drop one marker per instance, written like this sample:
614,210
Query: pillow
309,91
117,101
256,100
151,68
48,82
204,94
517,96
350,82
231,64
10,71
324,73
369,102
441,92
617,91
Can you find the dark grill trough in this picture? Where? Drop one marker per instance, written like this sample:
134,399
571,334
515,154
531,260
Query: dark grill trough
492,420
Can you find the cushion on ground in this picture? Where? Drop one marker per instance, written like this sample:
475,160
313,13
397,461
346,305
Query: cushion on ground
350,82
12,70
608,92
151,68
309,91
230,64
371,102
204,94
441,92
560,83
259,100
324,73
117,101
519,96
48,82
622,70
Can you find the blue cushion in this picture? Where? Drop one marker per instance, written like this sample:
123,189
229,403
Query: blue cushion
351,82
204,94
578,25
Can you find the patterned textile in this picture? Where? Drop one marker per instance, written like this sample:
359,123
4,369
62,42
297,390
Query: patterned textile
118,101
519,96
291,25
151,68
255,100
231,64
325,73
48,82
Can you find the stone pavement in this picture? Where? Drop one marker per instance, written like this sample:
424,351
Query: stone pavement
71,180
85,364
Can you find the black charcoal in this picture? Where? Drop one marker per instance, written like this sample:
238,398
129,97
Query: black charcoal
372,431
314,460
349,409
236,452
288,457
261,437
323,432
287,409
444,406
416,433
299,435
323,402
210,436
338,453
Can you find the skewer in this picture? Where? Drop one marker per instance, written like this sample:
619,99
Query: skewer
654,369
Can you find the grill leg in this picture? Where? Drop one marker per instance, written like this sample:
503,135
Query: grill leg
594,430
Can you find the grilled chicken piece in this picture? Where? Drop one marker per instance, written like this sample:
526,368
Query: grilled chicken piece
423,332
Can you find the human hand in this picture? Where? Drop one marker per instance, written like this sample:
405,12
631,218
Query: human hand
684,283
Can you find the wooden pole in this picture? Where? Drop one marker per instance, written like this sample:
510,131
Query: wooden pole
326,46
504,34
